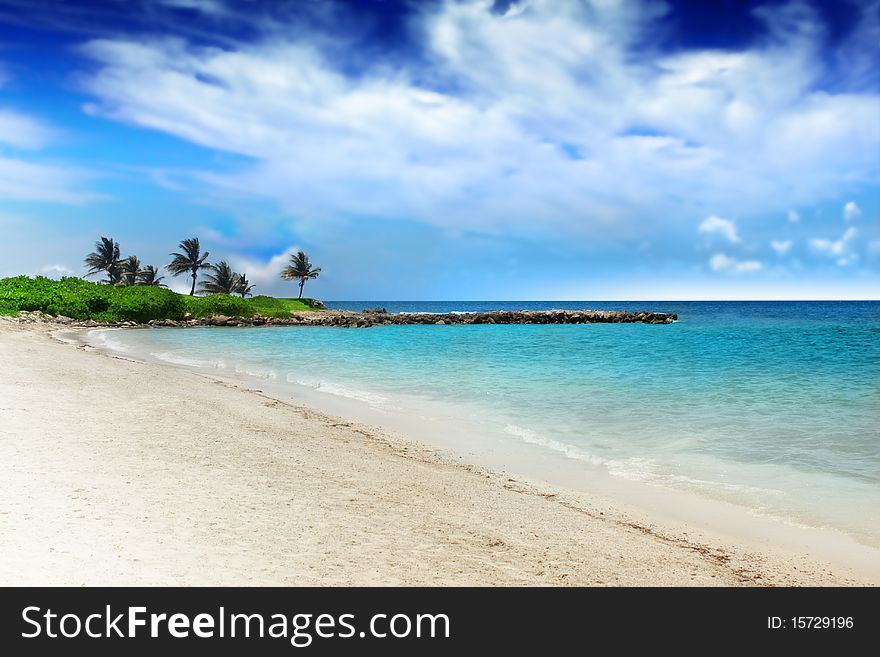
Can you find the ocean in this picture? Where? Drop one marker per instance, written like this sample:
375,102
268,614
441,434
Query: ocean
772,406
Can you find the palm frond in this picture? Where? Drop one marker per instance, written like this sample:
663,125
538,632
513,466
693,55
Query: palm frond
243,286
221,280
129,270
300,268
191,259
148,276
105,258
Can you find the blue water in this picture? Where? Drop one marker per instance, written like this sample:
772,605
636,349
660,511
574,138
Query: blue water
772,405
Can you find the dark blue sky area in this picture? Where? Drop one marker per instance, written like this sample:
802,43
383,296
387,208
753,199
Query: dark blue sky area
381,26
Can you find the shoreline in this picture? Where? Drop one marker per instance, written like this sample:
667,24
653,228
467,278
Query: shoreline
371,317
433,520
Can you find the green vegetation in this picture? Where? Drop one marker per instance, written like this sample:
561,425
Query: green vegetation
134,292
233,306
82,300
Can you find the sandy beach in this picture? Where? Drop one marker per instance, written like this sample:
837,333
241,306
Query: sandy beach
116,472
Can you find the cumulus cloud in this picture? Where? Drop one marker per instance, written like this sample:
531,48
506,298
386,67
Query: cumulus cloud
840,249
55,271
263,274
721,262
781,246
723,227
560,117
851,211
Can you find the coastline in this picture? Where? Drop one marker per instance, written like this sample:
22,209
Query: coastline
120,472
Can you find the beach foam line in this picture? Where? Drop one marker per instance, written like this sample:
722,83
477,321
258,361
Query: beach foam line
177,359
636,468
572,452
102,337
259,374
327,387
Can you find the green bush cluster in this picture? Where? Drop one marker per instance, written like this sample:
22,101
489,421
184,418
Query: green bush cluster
217,304
233,306
141,303
80,299
274,307
72,297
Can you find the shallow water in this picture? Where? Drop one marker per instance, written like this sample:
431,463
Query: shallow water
770,405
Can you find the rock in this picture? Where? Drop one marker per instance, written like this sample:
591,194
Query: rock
378,316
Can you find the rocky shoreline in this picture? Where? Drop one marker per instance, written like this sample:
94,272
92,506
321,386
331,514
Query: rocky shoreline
374,317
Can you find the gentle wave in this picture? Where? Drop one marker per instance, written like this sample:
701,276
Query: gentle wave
104,340
186,361
570,451
634,468
337,390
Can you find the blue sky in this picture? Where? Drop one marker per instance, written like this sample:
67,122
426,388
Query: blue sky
452,149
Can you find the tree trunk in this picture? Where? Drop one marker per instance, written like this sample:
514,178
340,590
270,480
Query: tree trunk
192,292
301,283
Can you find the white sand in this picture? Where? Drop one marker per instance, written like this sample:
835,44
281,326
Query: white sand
114,472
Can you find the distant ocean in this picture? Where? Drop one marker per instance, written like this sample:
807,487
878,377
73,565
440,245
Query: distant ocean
771,405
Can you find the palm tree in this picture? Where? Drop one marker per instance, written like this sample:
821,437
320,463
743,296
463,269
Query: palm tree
244,286
130,270
147,276
191,260
105,258
221,280
300,269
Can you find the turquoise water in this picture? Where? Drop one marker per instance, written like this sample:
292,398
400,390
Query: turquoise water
774,406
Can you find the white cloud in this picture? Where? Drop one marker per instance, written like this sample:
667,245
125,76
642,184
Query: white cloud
55,271
21,178
555,116
211,7
793,216
874,247
781,246
721,226
721,262
840,249
851,211
22,131
263,275
28,181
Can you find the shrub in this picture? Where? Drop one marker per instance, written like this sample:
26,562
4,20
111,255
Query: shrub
72,297
80,299
218,304
141,303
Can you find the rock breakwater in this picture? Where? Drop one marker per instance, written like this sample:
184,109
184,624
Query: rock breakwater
377,317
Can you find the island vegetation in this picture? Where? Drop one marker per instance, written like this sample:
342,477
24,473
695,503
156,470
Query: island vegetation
131,291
